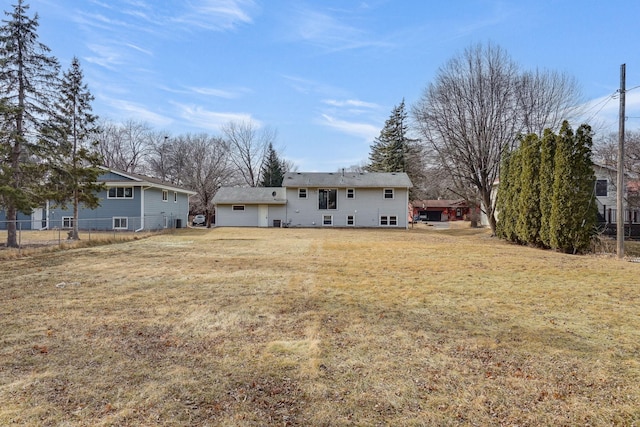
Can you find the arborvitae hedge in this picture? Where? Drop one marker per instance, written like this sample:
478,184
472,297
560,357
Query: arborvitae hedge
546,195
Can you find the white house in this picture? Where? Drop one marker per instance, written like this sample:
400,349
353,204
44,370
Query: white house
311,199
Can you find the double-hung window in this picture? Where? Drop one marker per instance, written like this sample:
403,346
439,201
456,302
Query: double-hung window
165,196
388,193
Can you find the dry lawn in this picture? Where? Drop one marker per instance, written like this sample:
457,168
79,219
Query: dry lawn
254,327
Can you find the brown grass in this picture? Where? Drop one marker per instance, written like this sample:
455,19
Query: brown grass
243,327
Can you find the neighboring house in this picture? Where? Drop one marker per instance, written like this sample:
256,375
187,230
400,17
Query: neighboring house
440,210
606,193
319,200
250,207
130,202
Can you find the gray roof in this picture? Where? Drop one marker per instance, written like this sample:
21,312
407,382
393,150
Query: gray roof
250,195
141,180
347,180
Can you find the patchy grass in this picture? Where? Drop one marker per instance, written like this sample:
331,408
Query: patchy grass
330,327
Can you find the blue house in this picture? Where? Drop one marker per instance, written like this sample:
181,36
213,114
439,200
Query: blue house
130,202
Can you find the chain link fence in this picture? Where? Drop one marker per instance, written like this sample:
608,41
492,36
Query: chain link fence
50,232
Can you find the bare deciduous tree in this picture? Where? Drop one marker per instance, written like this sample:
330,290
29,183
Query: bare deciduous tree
125,146
248,144
477,107
468,117
545,100
209,166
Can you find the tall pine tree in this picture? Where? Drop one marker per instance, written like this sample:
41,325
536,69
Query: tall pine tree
272,169
393,150
28,78
73,158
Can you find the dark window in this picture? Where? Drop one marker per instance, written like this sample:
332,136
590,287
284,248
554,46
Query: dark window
601,187
351,193
327,199
237,207
120,193
388,193
302,193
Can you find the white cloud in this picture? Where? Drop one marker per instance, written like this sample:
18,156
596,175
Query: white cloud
330,32
217,14
351,103
218,93
362,130
126,109
198,117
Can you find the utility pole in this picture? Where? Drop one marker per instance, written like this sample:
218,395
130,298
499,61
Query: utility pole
620,180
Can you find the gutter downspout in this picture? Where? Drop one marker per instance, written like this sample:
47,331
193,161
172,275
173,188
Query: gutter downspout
141,210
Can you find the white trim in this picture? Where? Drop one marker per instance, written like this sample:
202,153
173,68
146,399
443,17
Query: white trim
120,220
353,218
69,220
165,196
384,193
141,210
124,187
330,218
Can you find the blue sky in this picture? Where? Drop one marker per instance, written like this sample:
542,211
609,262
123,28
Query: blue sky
325,74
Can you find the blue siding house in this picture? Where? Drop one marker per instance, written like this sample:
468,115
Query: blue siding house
130,202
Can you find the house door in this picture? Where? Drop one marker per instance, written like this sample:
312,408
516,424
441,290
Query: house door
263,216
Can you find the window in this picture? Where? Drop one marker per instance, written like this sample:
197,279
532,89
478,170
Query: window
327,219
120,223
601,187
327,198
351,193
351,220
302,193
237,207
175,197
388,193
388,220
120,193
165,196
67,222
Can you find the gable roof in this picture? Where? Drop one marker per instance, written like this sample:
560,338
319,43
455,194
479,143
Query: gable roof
113,177
347,179
250,195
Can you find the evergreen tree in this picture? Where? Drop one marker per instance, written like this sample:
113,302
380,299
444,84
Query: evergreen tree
528,207
28,77
573,213
388,152
394,151
71,137
272,169
508,214
547,165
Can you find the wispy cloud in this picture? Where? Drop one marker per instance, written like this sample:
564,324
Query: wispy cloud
218,93
331,33
217,14
201,118
127,109
362,130
350,103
